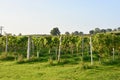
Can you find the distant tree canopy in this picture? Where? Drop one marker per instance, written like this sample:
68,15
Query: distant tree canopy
67,33
98,30
109,30
91,31
118,28
81,33
103,30
55,31
77,33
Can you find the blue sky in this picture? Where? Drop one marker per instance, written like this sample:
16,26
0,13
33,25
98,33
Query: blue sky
40,16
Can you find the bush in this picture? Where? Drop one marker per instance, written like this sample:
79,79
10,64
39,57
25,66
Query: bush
111,62
20,59
5,57
86,57
15,54
50,61
32,59
87,66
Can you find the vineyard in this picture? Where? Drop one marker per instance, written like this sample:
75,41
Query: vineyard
65,57
59,39
104,47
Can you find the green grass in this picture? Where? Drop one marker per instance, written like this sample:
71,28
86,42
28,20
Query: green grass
10,70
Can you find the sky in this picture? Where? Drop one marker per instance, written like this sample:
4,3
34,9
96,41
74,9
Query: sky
40,16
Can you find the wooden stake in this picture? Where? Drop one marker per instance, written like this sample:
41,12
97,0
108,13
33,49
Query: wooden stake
59,49
91,50
29,47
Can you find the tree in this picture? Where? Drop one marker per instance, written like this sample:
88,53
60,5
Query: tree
118,28
75,33
109,30
91,32
97,30
55,31
81,33
67,33
115,29
20,34
103,30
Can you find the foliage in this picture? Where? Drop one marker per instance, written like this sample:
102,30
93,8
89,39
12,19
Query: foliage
55,31
20,59
5,57
103,44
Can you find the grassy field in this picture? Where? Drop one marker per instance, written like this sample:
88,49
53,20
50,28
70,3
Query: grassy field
10,70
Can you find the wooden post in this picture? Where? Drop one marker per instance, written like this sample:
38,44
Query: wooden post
29,47
113,54
1,28
59,49
91,50
82,47
6,48
33,47
56,51
37,54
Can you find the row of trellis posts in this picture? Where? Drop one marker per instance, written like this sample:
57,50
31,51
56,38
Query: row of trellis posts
59,53
29,48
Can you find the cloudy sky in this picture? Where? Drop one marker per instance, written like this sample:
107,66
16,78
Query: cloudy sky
40,16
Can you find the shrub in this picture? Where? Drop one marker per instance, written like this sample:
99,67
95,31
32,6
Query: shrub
50,61
32,59
86,57
20,59
87,66
5,57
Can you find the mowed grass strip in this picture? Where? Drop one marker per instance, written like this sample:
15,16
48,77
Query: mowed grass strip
44,71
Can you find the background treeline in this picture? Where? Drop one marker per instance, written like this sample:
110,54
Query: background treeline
94,31
98,30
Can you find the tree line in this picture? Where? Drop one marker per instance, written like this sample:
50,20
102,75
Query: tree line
56,31
98,30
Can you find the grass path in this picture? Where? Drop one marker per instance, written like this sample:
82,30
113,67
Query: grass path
43,71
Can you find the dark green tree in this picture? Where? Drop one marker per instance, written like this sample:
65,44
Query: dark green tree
97,30
81,33
75,33
115,29
67,33
109,30
91,32
103,30
118,28
55,31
